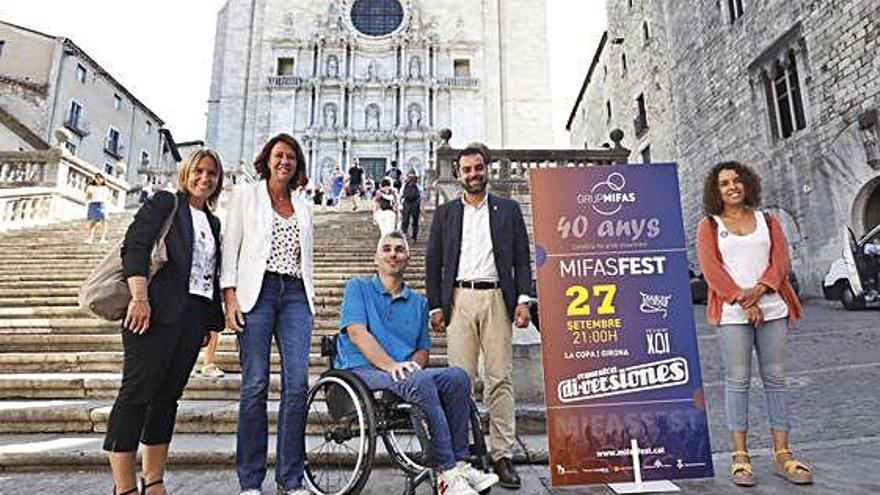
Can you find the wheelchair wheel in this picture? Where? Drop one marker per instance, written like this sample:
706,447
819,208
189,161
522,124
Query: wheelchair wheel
340,412
406,440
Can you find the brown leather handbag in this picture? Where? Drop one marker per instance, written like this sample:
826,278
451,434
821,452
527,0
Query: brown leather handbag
105,291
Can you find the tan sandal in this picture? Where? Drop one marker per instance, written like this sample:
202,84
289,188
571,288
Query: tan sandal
741,473
792,470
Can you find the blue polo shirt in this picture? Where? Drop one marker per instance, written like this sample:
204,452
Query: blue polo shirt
399,324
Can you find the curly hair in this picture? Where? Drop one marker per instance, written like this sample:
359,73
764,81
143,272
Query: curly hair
712,204
261,163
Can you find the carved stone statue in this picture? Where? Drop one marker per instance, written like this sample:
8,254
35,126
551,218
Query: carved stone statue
332,67
371,71
330,115
414,116
372,117
415,68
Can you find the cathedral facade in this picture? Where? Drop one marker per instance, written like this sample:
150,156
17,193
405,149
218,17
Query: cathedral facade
375,80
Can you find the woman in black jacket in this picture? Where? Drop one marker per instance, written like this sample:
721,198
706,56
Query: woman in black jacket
167,321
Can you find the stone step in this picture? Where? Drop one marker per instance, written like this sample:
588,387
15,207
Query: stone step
105,385
17,301
329,270
359,258
93,325
41,287
111,361
41,452
69,288
193,416
112,342
325,308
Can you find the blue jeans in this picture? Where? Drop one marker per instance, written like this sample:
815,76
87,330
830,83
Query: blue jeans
444,397
282,310
768,340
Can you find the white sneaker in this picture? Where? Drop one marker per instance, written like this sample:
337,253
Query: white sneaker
451,482
477,479
212,371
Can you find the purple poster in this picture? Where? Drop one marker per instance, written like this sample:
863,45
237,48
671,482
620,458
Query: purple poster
617,328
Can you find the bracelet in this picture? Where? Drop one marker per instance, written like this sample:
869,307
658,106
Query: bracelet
140,300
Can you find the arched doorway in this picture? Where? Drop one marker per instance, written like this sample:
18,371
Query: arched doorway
866,207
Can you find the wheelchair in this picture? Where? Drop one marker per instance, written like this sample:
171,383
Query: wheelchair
348,419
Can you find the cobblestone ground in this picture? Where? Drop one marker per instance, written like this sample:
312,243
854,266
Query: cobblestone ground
833,371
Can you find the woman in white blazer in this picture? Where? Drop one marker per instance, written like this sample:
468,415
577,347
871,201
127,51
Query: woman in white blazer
268,289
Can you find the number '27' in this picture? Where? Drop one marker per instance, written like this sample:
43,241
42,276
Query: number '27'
579,305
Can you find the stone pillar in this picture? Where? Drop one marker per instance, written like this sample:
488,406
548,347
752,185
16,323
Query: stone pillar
528,371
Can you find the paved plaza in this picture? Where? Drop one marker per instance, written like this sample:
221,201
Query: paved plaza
834,369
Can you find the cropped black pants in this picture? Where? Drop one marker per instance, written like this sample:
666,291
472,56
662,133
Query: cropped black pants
155,370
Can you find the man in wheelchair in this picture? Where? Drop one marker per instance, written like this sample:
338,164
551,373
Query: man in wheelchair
384,340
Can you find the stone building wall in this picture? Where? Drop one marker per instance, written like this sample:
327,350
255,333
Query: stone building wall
814,177
637,32
716,70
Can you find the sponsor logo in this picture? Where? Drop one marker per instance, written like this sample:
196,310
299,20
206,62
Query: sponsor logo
658,341
608,197
612,381
654,303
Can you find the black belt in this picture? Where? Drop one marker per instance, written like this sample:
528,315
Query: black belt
479,285
283,276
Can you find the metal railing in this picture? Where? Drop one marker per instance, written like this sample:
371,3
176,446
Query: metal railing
460,82
80,126
285,81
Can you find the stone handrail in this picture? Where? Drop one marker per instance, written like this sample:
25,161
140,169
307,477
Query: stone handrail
39,187
508,170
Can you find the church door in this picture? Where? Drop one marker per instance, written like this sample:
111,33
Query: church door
374,167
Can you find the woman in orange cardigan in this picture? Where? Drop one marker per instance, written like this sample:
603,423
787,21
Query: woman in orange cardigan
744,257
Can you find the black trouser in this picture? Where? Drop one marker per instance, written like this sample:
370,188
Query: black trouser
155,370
411,211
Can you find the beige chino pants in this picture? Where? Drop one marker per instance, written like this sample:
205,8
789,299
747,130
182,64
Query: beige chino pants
480,324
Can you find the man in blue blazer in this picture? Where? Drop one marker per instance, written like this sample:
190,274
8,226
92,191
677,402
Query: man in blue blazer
479,280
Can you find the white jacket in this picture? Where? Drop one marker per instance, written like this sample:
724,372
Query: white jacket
247,242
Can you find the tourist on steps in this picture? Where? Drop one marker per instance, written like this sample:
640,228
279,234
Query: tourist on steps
269,292
385,207
97,196
167,321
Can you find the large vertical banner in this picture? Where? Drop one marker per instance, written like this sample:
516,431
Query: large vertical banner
617,327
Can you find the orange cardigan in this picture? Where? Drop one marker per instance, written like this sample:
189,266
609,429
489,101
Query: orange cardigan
721,285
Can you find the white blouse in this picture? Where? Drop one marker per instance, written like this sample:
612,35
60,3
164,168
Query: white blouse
286,254
204,257
745,257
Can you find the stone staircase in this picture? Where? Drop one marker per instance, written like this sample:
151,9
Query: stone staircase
60,367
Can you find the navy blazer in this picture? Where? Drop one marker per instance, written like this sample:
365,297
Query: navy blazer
510,246
169,288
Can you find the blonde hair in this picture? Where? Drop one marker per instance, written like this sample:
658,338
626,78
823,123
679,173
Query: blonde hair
187,166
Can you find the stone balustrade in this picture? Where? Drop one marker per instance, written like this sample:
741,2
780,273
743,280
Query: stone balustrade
508,170
39,187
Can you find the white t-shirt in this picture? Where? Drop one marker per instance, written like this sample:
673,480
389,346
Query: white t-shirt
745,257
204,259
97,194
